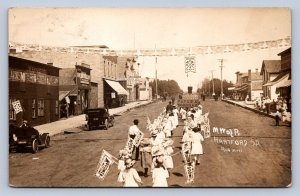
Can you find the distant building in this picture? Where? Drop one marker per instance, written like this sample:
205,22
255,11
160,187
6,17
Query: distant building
36,86
248,85
270,69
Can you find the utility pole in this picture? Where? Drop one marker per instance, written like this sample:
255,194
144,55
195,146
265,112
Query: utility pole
213,85
156,91
221,60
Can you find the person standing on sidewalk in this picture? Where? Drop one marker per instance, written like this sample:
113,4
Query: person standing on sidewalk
133,131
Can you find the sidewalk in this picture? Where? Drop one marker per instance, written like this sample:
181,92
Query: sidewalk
59,126
248,107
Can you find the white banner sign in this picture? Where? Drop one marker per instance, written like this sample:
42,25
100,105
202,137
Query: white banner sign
186,151
104,163
138,138
189,172
17,106
129,145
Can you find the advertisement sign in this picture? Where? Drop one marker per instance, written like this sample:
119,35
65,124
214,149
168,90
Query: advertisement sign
17,106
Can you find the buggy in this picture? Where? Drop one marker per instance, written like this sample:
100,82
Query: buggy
27,137
99,117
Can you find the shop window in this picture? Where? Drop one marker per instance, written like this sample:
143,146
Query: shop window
56,107
41,107
12,113
33,108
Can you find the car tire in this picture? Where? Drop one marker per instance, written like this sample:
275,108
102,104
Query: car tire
112,122
106,125
47,141
35,147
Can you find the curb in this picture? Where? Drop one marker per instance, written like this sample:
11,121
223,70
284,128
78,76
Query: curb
126,110
251,109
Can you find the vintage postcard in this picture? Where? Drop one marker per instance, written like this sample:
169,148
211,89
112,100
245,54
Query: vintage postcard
150,97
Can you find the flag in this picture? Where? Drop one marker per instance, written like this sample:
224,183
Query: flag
190,64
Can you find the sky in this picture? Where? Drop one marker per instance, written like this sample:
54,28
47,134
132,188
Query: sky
137,28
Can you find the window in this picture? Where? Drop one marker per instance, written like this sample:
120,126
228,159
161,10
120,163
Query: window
56,107
12,113
41,107
33,108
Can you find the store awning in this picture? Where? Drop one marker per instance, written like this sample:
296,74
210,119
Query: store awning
242,88
278,79
63,94
117,87
284,84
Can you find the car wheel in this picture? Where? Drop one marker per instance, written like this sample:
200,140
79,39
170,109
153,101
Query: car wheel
112,121
35,147
47,141
106,124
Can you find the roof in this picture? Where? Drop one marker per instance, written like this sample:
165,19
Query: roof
257,85
285,51
33,61
271,66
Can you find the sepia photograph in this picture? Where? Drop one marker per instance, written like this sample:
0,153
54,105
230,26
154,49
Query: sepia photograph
150,97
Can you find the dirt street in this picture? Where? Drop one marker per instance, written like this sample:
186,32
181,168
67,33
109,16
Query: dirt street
251,152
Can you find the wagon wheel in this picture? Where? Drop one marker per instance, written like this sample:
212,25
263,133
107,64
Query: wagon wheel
106,124
35,147
47,141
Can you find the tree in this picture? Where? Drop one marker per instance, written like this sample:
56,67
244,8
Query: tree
166,87
207,86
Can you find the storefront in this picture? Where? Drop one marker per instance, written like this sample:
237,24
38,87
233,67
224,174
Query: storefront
75,90
115,95
35,86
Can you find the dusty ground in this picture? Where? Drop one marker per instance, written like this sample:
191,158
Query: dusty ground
261,158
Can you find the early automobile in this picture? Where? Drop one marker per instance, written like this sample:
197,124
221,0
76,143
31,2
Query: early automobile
99,117
26,136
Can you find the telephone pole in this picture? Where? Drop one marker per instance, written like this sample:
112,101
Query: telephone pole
213,85
221,66
156,90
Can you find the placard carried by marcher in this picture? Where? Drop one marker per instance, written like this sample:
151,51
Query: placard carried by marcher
104,163
17,106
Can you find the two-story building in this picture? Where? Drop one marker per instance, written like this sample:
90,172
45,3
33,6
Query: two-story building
35,86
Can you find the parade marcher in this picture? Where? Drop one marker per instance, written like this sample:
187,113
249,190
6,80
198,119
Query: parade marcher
197,148
123,155
130,175
175,116
133,131
146,157
168,150
169,107
168,126
160,174
183,113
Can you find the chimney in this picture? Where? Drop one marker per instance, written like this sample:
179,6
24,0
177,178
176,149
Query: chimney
50,64
249,74
256,70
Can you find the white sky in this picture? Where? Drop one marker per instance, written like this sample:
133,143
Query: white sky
166,28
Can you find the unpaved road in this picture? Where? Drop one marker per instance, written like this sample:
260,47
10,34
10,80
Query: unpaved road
258,155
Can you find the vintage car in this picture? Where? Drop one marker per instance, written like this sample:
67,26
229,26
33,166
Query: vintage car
99,117
26,136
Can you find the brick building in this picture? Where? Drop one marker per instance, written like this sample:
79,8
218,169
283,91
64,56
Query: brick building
36,86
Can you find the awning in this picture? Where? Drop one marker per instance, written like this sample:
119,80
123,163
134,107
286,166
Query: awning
278,79
231,88
242,88
284,84
63,94
117,87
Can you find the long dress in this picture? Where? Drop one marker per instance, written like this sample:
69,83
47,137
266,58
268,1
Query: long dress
131,177
146,157
160,176
197,138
